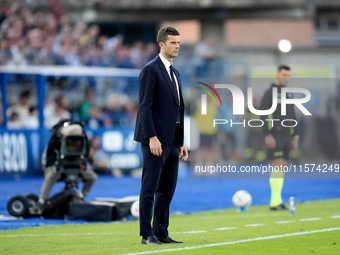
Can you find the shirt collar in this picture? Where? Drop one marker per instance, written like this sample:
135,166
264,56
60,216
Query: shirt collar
166,63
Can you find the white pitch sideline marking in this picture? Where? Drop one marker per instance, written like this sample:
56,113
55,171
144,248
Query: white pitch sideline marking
255,225
285,222
310,219
191,232
90,234
236,242
225,228
335,217
69,234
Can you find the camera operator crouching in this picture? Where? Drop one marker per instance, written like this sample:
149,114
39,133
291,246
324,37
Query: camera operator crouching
66,158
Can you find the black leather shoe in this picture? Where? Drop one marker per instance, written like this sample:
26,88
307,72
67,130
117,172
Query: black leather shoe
167,239
279,208
150,240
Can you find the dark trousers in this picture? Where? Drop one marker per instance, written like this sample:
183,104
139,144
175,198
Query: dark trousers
159,180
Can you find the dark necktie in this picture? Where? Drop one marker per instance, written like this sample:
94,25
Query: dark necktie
178,118
174,81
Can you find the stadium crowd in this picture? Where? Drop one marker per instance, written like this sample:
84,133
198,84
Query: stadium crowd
42,38
116,110
50,38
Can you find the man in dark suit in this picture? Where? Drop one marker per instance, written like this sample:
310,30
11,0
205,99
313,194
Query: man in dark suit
159,129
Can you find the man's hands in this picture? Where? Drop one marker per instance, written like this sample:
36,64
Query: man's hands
183,153
156,149
270,141
155,146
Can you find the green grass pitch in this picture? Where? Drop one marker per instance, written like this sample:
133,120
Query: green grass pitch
315,229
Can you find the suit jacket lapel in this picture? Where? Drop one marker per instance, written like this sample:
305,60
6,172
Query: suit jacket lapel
169,82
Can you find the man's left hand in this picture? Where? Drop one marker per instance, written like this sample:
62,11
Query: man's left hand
183,153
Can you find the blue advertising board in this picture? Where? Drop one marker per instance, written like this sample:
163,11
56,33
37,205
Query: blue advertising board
123,152
21,150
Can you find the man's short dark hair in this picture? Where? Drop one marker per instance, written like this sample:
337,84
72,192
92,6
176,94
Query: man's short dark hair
283,67
163,33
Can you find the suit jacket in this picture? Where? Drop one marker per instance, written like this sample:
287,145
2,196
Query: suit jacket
158,106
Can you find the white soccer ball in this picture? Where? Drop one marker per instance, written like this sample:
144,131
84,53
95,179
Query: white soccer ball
242,198
135,209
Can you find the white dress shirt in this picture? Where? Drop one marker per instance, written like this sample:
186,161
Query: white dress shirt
167,65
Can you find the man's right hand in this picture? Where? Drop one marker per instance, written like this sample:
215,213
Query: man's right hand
270,141
155,146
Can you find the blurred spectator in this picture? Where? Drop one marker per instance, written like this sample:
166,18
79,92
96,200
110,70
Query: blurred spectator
136,54
31,121
150,52
83,109
5,53
14,121
116,103
72,56
113,44
56,9
123,59
95,117
120,109
90,38
20,110
204,53
107,121
56,111
100,160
